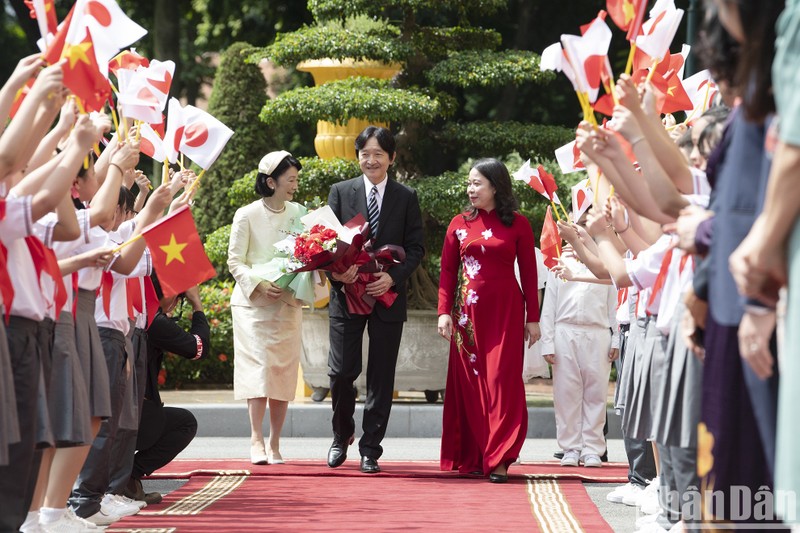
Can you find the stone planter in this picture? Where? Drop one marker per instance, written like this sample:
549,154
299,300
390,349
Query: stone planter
421,363
334,140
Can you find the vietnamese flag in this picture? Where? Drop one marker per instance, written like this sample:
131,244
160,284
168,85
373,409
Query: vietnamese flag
550,241
179,258
82,75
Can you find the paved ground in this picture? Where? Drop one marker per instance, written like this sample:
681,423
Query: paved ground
620,517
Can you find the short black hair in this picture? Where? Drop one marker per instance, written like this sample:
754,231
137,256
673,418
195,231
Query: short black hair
382,135
261,179
126,199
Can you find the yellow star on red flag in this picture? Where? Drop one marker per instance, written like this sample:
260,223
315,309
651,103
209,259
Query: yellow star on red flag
173,250
77,53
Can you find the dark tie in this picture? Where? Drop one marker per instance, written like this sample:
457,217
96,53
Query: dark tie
372,211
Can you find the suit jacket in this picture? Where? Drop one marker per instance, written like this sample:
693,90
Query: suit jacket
252,242
400,223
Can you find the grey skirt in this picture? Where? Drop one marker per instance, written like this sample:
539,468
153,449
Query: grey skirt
44,337
90,352
619,364
676,421
633,345
70,415
9,425
646,378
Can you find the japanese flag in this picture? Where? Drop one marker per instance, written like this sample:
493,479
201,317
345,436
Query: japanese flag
539,180
702,91
112,30
554,58
150,144
581,199
175,126
136,98
569,158
587,55
158,77
202,137
660,29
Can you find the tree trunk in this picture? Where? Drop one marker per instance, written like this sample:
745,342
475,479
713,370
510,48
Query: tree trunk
167,37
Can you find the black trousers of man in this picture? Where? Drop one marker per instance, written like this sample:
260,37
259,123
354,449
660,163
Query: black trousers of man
344,361
164,432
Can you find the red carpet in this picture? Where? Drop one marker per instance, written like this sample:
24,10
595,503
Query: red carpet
406,496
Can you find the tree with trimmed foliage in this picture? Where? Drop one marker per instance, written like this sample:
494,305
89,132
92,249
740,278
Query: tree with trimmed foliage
440,105
236,99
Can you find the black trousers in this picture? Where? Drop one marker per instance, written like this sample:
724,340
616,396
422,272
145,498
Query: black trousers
344,362
164,432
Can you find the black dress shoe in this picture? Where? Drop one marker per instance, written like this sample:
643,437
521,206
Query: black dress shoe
498,478
604,457
558,455
337,454
369,465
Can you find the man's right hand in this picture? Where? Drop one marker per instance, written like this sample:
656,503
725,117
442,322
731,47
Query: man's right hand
348,276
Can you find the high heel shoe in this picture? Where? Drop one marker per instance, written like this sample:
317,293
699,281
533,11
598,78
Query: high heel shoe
274,458
498,478
258,454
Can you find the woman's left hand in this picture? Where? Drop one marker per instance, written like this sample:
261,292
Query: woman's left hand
532,333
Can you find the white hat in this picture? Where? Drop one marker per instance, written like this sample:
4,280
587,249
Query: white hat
270,161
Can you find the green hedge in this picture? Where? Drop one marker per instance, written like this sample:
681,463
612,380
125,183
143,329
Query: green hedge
320,42
217,367
486,68
487,138
338,9
435,43
357,97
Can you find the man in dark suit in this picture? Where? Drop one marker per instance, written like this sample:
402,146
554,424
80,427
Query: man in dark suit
393,212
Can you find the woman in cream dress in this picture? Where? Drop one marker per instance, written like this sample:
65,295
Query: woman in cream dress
266,319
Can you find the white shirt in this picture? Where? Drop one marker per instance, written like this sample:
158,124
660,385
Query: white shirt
17,224
580,304
381,190
118,305
643,271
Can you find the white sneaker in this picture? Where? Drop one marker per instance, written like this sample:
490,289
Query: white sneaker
649,504
571,458
103,517
651,528
31,523
616,495
632,496
118,507
646,519
70,523
141,504
591,461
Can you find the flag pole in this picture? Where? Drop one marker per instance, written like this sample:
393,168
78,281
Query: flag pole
629,64
652,71
127,243
555,210
193,186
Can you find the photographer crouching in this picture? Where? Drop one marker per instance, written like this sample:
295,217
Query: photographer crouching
165,431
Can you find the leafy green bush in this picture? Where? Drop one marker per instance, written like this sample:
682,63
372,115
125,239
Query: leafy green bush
217,367
486,138
238,92
357,97
315,42
485,68
216,247
334,9
435,43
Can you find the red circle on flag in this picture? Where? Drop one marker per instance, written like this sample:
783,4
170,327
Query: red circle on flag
146,147
178,138
147,95
99,12
195,135
162,85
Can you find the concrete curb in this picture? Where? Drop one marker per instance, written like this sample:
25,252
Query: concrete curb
314,420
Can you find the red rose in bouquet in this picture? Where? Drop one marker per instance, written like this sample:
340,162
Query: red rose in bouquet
321,249
317,240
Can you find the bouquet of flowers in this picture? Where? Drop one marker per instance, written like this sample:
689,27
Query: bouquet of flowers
329,245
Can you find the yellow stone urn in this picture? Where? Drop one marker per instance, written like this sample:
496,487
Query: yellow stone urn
333,140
